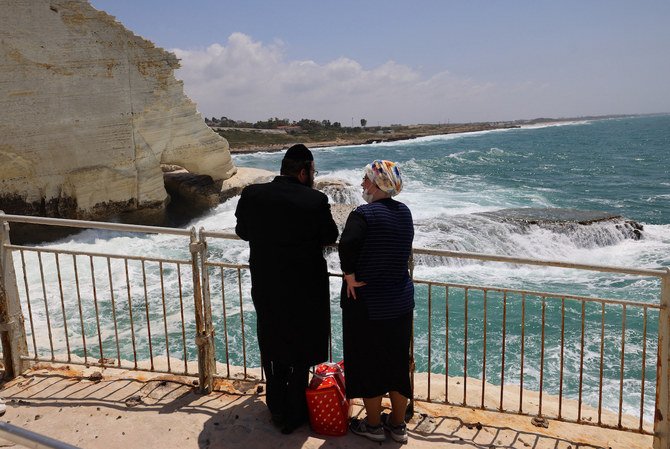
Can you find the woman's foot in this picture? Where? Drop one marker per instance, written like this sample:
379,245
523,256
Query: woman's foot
398,433
362,428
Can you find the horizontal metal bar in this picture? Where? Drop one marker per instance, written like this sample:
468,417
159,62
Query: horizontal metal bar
30,439
227,265
229,235
582,422
123,364
93,225
219,234
41,249
546,263
497,258
548,295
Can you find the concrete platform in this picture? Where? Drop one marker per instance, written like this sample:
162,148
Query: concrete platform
130,409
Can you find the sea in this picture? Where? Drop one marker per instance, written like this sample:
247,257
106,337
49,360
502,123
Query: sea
616,165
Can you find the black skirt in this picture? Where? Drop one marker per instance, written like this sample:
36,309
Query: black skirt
376,353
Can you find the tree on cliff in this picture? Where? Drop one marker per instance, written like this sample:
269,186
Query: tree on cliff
363,122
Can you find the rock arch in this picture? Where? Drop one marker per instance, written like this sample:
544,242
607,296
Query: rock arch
88,113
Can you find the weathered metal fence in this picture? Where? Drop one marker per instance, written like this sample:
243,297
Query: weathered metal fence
545,354
33,440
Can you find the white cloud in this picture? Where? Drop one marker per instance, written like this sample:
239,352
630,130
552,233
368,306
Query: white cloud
246,80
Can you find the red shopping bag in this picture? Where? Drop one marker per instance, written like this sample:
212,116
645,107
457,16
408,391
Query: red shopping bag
329,409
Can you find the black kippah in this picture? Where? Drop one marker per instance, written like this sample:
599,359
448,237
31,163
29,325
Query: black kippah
299,152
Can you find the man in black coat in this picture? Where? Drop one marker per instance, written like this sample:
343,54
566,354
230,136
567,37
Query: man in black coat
287,223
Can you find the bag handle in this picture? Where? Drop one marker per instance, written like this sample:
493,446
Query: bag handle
337,366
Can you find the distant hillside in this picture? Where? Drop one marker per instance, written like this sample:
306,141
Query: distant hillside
243,140
277,134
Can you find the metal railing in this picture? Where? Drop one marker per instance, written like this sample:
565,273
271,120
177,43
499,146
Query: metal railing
101,288
102,295
30,439
553,355
522,319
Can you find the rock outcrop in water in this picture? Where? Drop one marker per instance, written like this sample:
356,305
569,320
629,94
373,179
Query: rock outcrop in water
566,219
539,233
88,113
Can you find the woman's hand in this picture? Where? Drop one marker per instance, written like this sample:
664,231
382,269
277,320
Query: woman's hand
352,283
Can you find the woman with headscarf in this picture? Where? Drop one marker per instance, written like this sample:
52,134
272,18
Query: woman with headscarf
377,302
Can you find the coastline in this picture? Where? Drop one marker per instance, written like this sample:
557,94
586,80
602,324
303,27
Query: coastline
379,134
366,138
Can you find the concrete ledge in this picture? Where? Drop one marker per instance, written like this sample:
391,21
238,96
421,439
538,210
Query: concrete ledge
103,408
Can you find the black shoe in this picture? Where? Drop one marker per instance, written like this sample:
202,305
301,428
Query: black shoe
287,430
398,433
278,420
362,428
289,427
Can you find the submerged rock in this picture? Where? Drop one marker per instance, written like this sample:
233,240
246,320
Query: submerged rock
536,215
557,217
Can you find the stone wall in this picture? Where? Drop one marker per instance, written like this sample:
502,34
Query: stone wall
88,113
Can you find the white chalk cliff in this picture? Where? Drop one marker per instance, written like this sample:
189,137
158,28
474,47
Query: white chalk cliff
88,113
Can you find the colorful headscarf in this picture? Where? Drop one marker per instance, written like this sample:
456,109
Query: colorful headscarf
385,175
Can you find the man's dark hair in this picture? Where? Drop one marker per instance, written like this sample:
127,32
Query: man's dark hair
296,158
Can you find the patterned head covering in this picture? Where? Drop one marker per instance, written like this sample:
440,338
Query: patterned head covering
385,175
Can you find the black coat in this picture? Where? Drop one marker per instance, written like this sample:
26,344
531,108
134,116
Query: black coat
287,224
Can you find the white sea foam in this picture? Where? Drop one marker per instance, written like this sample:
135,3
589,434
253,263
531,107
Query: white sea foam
556,124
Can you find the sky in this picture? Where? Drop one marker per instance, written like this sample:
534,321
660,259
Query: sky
410,62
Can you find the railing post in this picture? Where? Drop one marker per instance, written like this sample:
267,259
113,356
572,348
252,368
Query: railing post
206,301
203,337
12,330
662,413
409,412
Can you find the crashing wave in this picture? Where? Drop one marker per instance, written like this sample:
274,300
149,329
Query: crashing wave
547,233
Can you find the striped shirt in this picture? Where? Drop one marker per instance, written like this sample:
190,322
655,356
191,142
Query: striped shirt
376,245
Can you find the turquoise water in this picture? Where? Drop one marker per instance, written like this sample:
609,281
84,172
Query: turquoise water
617,165
613,165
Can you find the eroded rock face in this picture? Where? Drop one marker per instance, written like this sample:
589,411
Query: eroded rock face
88,113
